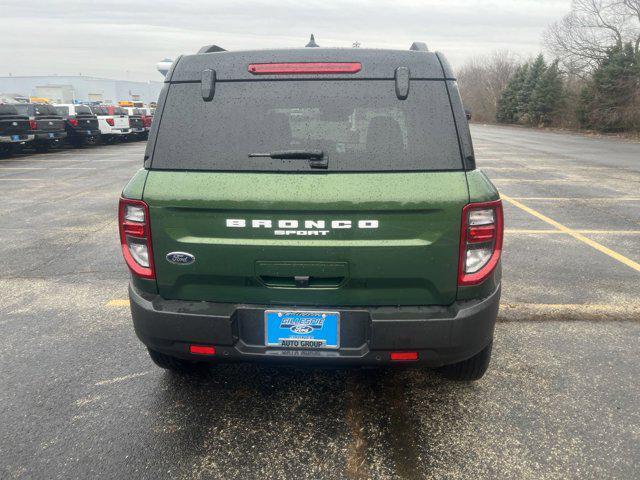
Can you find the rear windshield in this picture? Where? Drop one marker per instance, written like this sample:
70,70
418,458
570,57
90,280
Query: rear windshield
42,110
119,111
62,110
82,110
99,110
24,109
8,110
358,125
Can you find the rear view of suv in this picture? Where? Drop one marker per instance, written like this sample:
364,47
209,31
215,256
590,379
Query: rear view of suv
45,124
14,129
81,124
315,206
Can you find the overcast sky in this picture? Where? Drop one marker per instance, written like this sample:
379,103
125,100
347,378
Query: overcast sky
125,39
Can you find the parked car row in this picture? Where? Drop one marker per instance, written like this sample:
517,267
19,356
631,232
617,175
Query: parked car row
42,126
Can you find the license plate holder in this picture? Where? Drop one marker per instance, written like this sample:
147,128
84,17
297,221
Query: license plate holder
15,138
302,329
52,135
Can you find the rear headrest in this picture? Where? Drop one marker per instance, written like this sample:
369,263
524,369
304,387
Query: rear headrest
384,137
279,122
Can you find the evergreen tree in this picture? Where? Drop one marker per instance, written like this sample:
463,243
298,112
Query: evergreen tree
547,96
508,102
583,108
610,102
535,72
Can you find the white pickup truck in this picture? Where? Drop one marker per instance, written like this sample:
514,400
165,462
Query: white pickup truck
136,121
113,122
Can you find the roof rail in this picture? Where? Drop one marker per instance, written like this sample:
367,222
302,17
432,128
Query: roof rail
419,46
211,49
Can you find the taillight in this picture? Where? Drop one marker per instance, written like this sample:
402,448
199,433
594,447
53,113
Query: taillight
73,122
480,241
135,237
33,125
110,121
308,68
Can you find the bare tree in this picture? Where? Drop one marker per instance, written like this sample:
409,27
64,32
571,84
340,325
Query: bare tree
581,39
482,80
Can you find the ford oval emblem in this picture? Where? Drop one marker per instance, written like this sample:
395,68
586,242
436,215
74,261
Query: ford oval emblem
180,258
15,124
302,329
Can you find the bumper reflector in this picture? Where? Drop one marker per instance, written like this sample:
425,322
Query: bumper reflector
404,356
202,349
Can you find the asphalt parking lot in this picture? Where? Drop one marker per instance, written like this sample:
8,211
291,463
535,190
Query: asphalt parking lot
79,397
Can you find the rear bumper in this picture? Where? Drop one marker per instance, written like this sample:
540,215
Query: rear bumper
47,136
87,132
11,138
441,335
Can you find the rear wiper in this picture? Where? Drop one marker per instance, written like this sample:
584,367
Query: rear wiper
316,156
292,154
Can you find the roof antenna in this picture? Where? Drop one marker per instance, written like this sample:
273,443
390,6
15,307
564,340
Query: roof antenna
312,42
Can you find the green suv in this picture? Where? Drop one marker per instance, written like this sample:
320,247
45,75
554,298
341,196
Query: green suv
317,206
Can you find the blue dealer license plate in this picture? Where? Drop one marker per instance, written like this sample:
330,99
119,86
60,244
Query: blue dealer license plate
302,329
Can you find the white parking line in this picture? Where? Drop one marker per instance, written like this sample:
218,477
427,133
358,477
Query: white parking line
121,379
48,168
23,179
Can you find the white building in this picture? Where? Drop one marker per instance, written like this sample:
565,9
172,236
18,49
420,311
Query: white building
66,89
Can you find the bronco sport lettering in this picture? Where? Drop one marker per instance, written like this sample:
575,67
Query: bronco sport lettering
312,227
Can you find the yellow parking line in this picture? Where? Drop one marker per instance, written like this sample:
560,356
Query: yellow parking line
118,302
578,199
516,231
543,231
550,181
575,234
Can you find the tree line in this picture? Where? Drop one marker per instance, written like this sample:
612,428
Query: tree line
593,82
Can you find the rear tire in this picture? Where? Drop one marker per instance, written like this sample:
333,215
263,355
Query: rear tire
172,363
91,141
7,149
470,369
